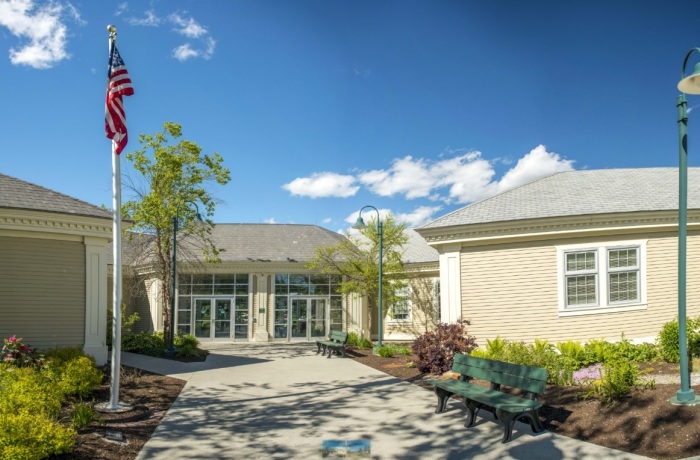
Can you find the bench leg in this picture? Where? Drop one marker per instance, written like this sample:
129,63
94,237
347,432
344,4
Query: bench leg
509,419
472,410
442,395
534,421
318,348
342,351
330,351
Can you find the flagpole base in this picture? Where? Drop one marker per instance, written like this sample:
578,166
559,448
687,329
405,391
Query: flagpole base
116,408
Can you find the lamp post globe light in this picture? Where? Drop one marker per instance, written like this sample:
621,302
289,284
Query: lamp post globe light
360,225
170,351
687,85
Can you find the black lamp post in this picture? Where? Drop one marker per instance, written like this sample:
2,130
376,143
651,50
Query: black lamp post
173,272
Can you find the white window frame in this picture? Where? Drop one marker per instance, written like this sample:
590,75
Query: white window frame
602,272
408,298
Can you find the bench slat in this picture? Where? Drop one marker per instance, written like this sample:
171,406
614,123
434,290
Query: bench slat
532,379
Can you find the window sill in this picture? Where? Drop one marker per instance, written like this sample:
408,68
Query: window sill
601,310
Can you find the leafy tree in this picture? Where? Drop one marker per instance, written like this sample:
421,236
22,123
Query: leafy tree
171,175
355,258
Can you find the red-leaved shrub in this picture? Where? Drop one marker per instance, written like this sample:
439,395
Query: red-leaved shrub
436,350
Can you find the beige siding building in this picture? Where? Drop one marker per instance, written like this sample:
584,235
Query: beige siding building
576,255
261,290
53,268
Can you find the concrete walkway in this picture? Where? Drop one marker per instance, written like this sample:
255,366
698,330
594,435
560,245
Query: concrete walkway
281,401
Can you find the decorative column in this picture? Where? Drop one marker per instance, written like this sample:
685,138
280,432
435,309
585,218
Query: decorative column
450,283
96,299
262,313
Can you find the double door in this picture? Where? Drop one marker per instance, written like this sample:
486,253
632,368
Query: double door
302,319
224,319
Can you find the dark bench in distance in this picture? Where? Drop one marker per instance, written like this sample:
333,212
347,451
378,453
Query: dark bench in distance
336,342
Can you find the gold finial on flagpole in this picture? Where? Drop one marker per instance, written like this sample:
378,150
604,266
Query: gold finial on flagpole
112,31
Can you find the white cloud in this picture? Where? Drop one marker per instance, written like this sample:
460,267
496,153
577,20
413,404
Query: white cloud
421,215
202,47
467,177
149,20
192,29
406,176
322,185
184,52
538,163
327,220
122,8
187,26
271,220
42,26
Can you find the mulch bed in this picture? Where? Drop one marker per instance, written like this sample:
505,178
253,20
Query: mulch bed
644,423
151,395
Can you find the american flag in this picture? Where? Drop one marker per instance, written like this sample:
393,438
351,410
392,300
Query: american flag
119,85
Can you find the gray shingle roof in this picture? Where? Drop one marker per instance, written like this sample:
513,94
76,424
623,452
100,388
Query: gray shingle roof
581,193
271,242
19,194
417,250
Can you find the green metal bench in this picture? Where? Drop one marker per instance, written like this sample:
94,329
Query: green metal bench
507,407
336,342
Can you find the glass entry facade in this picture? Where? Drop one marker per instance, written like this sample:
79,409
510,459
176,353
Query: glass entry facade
214,307
306,307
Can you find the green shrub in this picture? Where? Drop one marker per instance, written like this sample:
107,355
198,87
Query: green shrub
78,377
353,339
144,343
64,354
83,415
127,322
668,340
573,350
495,349
33,436
626,350
618,379
188,345
597,351
25,390
364,344
385,351
402,350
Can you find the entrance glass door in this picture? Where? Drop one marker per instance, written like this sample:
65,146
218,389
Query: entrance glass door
202,318
307,318
298,317
222,319
317,318
212,319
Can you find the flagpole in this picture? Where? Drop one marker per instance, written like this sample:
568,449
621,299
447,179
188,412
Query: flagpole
117,278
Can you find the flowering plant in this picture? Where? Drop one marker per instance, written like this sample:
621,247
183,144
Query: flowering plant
16,353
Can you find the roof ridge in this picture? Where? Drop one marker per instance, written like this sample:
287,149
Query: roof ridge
483,200
61,194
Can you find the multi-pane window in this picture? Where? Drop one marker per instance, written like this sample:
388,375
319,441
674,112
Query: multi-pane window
581,278
400,309
231,286
289,286
623,274
602,276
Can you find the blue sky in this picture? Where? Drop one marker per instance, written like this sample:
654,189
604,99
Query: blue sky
322,107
